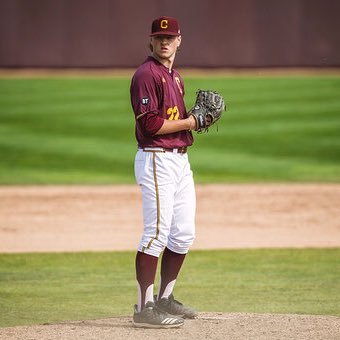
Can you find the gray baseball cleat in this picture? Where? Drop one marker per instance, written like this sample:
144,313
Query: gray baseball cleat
152,317
174,307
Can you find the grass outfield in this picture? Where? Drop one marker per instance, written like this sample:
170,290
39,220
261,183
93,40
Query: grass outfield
40,288
81,131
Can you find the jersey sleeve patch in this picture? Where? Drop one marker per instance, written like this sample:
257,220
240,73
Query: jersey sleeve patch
145,101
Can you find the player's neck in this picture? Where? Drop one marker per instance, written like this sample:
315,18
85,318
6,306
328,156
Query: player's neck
167,62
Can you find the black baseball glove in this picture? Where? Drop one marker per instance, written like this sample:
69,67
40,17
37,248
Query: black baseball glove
207,110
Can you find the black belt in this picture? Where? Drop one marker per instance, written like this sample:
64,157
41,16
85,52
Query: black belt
182,149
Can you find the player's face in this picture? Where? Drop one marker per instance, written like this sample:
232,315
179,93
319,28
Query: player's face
165,46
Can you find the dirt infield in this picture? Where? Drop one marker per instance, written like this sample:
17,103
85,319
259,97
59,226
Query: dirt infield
77,218
217,326
80,218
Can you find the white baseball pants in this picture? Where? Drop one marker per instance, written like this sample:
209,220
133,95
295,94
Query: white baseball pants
168,200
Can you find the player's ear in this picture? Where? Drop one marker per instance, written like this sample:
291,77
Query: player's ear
150,45
179,40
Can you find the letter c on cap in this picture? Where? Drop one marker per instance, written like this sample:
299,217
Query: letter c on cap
164,23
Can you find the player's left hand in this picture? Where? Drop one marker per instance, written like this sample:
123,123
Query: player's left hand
208,109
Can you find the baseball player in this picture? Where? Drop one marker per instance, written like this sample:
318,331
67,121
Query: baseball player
162,170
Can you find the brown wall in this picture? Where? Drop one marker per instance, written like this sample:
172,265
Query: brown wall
114,33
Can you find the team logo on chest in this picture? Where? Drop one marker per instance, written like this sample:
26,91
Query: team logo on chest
178,82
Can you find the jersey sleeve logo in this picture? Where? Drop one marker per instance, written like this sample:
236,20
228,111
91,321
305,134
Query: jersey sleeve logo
145,101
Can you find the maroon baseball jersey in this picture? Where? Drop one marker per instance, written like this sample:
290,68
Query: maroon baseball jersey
157,94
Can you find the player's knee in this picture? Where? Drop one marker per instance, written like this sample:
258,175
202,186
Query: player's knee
180,246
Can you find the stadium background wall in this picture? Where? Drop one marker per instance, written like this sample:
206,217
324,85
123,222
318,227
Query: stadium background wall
217,33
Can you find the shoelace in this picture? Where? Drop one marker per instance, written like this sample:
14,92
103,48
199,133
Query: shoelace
181,304
157,311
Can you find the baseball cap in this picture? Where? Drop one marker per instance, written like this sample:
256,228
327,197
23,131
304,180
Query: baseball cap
165,26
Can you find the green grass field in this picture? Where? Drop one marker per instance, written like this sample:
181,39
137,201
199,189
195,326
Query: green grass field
40,288
82,131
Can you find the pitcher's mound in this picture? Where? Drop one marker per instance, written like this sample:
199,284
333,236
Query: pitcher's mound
235,326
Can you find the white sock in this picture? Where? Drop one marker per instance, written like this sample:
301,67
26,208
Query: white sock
148,296
168,289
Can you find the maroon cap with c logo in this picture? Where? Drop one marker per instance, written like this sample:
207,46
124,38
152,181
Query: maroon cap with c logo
165,26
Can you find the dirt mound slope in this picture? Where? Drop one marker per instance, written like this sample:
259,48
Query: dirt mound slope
236,326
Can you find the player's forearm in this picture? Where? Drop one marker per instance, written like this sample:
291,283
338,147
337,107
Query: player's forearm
170,126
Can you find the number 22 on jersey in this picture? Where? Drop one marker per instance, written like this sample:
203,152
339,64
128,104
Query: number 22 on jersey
173,113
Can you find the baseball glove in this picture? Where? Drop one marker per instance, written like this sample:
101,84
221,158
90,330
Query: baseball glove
207,110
